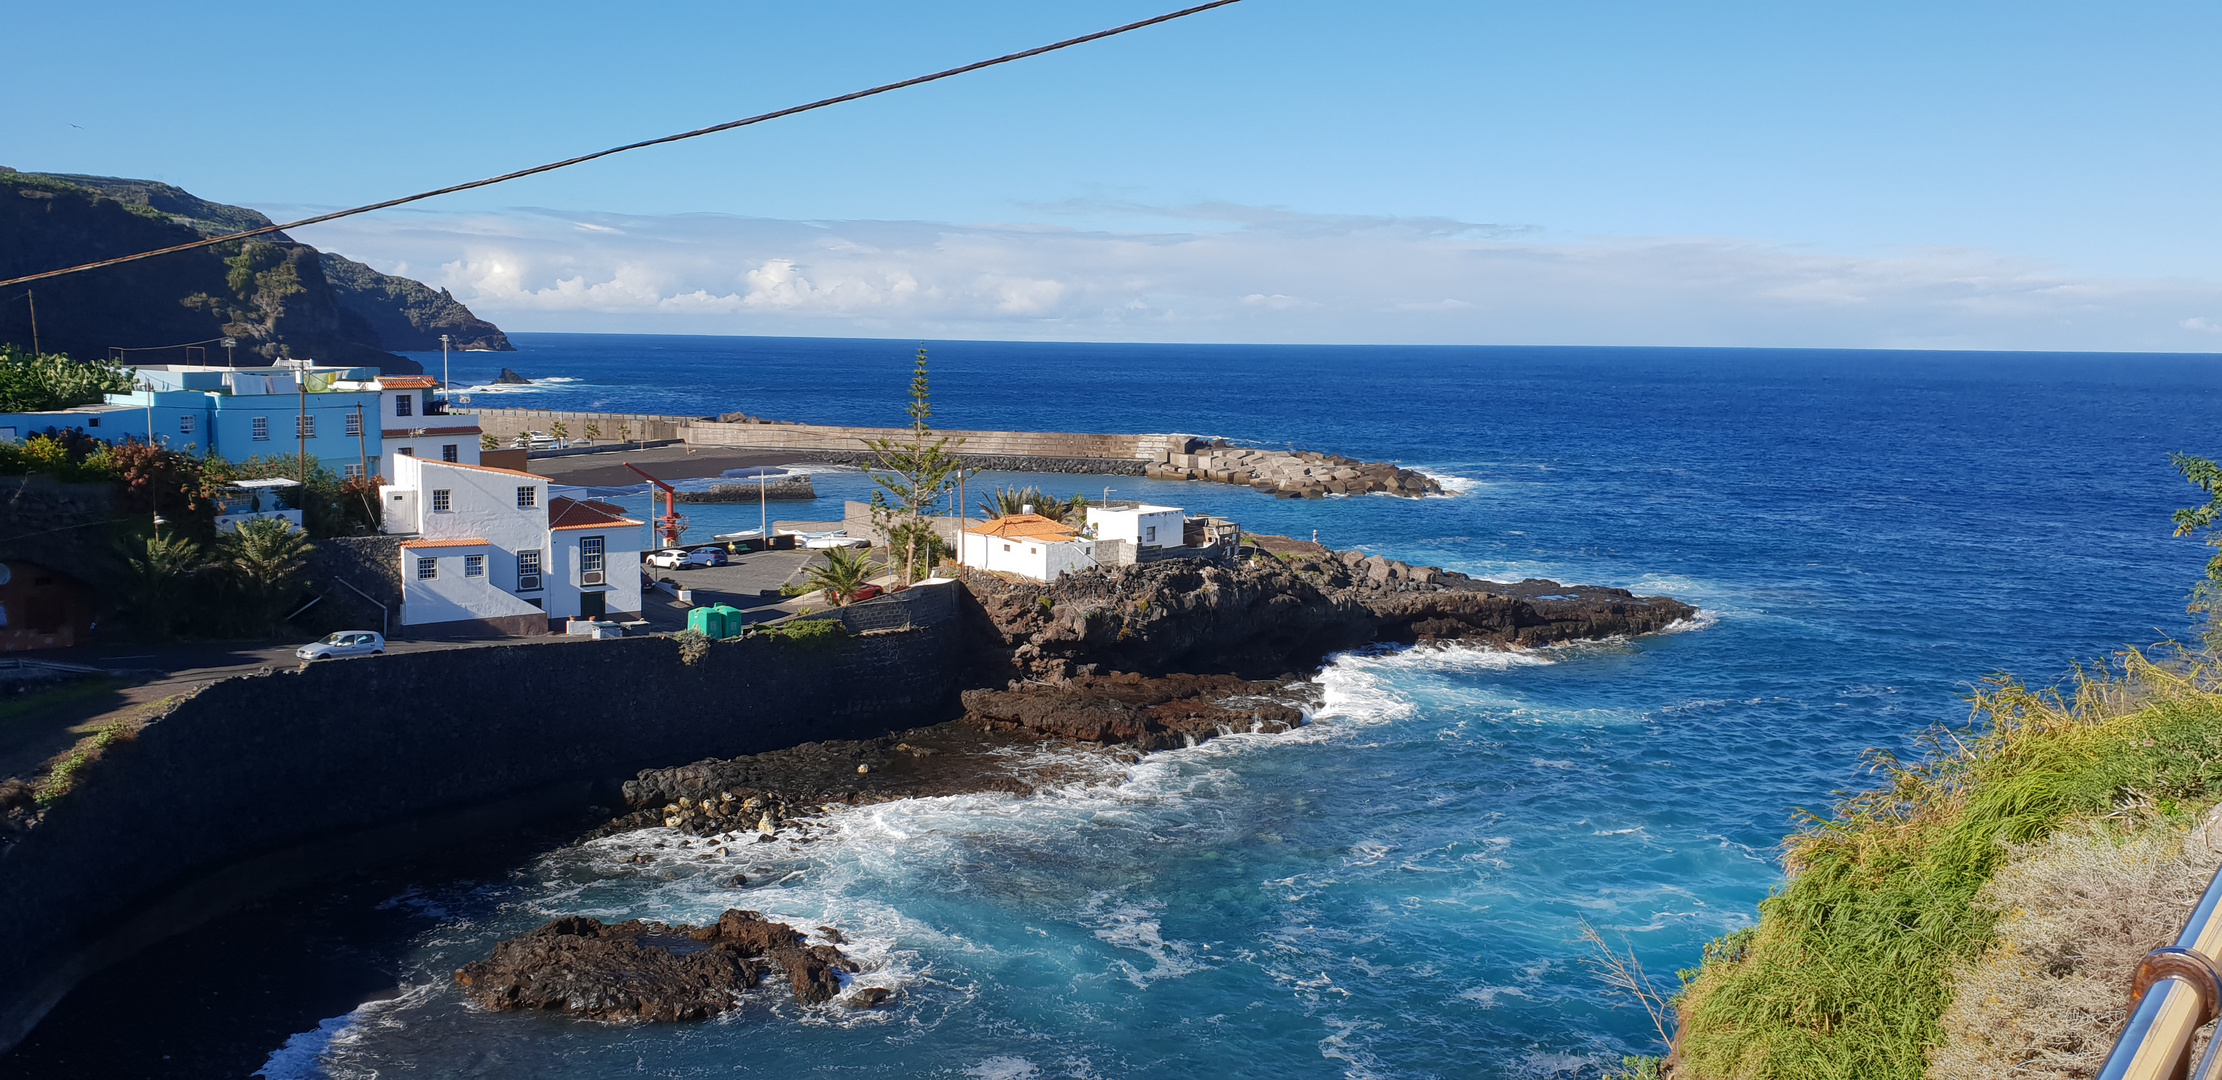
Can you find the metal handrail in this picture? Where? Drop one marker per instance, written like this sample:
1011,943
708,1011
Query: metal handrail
2177,991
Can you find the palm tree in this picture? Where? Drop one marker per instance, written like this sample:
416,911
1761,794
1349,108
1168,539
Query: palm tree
845,571
160,581
1004,502
266,554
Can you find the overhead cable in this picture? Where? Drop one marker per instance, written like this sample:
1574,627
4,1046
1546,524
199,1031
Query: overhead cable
583,158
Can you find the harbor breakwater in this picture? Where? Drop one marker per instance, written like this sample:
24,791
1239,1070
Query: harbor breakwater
1288,473
257,783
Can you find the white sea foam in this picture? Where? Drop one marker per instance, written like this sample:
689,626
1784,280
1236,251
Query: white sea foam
304,1055
1004,1067
553,382
1452,485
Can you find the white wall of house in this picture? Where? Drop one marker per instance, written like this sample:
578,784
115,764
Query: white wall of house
439,501
454,592
1040,560
1142,526
433,444
620,588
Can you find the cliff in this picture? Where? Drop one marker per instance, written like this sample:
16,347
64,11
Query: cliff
268,293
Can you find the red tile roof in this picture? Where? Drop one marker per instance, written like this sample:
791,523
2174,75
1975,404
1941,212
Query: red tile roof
407,382
1029,526
569,513
461,541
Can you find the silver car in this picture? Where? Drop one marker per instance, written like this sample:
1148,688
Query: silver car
344,643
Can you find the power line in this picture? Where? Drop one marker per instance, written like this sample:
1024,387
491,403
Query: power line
583,158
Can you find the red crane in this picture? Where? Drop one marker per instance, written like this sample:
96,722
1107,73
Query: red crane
671,525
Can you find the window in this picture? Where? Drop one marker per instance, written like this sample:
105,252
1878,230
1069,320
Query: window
262,429
447,452
355,422
351,472
1149,534
92,421
185,424
1006,547
528,571
427,569
401,405
441,503
304,425
590,555
474,566
405,451
528,497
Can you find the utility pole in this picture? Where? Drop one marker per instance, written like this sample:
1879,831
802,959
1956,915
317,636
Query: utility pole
362,443
301,423
764,510
443,369
34,320
961,512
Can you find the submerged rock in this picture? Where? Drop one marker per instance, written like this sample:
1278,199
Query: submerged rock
511,378
650,971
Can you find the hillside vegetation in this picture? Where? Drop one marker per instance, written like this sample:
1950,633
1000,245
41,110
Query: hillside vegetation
269,293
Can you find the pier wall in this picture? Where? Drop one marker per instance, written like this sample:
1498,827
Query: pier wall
506,424
262,782
1014,444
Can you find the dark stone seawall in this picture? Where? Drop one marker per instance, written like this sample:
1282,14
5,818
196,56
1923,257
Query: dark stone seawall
261,782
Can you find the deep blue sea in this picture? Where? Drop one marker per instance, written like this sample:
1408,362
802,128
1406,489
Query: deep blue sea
1396,890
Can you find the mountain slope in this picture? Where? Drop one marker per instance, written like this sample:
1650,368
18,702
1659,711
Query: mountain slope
271,294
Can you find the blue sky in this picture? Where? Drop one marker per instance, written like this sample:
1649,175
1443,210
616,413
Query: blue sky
2029,175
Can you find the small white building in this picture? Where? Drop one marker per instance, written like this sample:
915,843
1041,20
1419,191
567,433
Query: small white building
1028,545
1139,524
488,549
413,421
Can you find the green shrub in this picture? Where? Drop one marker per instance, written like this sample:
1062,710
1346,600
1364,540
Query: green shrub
808,633
1847,972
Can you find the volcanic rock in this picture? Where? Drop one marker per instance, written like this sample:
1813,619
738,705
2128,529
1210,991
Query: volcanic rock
1146,713
509,377
649,971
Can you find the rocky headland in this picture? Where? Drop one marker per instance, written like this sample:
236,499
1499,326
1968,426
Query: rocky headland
1126,661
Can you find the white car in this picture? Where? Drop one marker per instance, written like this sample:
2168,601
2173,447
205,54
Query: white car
667,559
680,559
344,643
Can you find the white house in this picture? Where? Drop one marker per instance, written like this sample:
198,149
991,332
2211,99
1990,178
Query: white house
1028,545
489,550
1139,524
414,422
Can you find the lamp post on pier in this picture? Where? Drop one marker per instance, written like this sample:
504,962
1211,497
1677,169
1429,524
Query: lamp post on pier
443,369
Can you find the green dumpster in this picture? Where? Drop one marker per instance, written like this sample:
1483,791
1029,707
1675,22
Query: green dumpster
728,620
704,620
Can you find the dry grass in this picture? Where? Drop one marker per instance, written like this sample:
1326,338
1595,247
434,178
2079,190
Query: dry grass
2076,911
1851,968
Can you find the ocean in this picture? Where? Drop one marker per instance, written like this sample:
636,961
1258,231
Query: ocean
1399,888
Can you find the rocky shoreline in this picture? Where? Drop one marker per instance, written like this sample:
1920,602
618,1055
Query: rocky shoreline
794,487
1102,667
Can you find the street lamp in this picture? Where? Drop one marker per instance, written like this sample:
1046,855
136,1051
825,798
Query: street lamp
443,368
228,343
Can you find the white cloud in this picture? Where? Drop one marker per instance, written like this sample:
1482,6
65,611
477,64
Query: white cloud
1261,275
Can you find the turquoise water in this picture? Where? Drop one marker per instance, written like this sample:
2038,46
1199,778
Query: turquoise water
1397,889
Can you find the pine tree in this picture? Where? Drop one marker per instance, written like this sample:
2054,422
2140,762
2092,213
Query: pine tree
914,475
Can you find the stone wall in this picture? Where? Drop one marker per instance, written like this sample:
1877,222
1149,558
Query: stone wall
260,782
506,424
369,563
977,444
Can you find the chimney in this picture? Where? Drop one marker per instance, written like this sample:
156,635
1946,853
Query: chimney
1026,509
